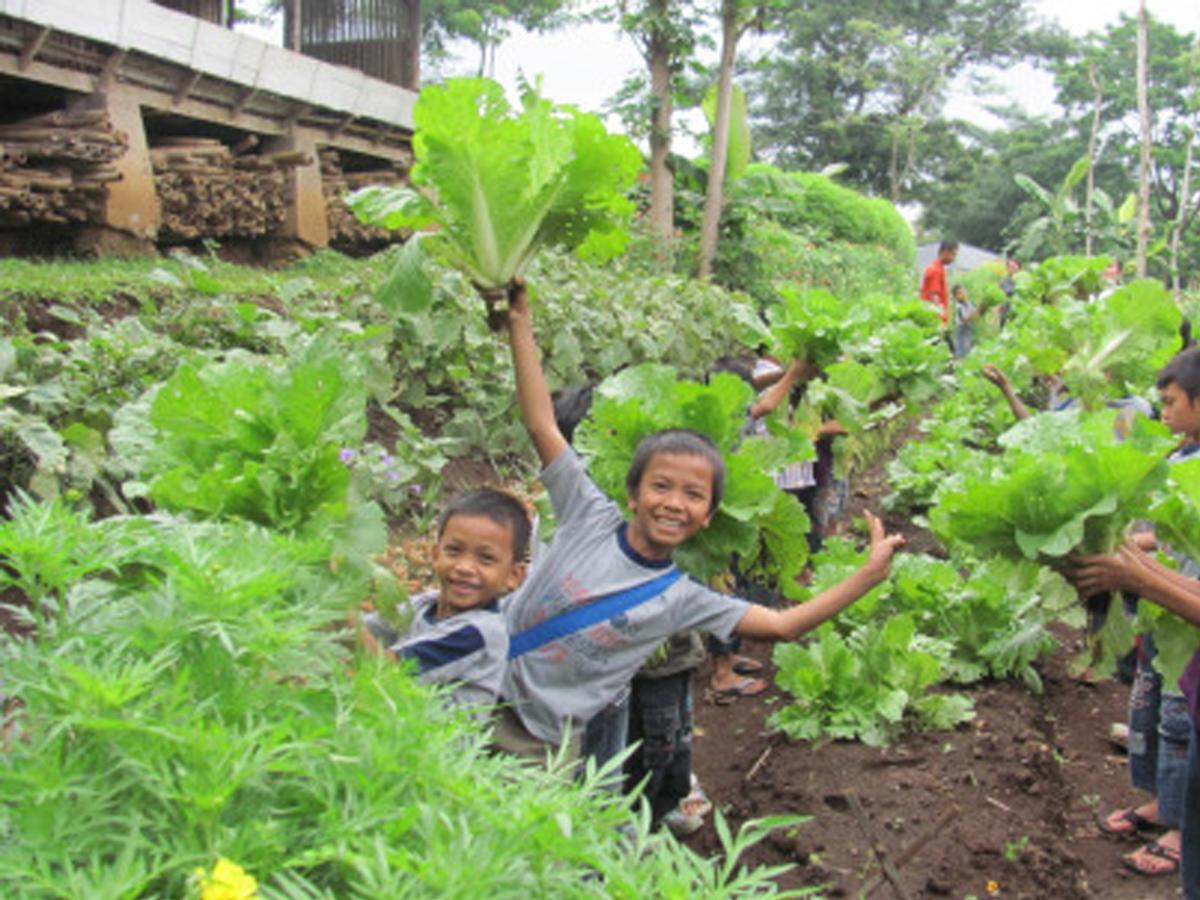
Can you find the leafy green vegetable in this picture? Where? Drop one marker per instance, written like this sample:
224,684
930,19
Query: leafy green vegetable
807,325
495,185
1176,512
1130,335
248,439
864,686
756,520
1063,484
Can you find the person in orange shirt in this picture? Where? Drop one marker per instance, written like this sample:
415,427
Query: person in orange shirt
933,285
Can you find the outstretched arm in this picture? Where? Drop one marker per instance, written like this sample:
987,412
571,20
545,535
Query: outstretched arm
1131,569
1000,380
769,400
789,624
537,410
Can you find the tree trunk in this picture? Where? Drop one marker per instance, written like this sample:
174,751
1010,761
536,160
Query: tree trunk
662,180
1177,231
1098,98
714,194
1143,232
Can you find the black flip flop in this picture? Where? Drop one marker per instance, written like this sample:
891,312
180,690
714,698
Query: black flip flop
1136,822
1155,849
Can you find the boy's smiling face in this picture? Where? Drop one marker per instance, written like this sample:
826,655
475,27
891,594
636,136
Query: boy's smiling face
673,502
1180,413
474,564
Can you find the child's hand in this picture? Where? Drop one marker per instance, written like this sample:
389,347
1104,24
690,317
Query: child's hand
883,547
995,376
1126,570
518,302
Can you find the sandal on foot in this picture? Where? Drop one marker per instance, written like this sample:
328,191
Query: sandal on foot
682,825
1140,860
744,665
743,687
1125,822
696,803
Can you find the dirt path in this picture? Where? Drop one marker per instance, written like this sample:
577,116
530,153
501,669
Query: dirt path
1028,777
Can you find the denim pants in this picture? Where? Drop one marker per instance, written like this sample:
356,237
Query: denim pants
606,735
660,716
1190,868
1160,729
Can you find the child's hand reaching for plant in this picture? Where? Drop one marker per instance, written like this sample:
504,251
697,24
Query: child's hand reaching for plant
883,547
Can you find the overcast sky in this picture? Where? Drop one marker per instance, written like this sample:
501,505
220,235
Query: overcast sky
586,65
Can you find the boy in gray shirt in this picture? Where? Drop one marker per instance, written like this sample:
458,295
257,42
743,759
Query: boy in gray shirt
674,484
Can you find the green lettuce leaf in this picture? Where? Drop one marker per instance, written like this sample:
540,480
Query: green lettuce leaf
496,184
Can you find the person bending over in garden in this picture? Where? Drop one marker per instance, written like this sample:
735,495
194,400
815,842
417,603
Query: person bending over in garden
606,592
734,675
1060,401
1160,729
458,634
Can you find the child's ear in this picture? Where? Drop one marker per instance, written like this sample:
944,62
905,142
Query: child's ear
516,575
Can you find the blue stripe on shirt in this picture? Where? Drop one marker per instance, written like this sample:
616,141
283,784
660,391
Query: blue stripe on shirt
448,648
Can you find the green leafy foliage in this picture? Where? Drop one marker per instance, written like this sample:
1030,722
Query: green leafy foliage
864,686
1063,484
247,439
1176,511
807,325
498,184
1130,335
755,520
187,699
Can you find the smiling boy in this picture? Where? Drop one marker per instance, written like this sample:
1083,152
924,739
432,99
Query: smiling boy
458,634
673,486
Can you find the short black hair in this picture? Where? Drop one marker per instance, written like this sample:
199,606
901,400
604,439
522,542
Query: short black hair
733,365
1183,370
499,506
947,245
681,441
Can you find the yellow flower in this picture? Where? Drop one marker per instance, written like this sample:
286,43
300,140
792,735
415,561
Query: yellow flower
993,887
228,881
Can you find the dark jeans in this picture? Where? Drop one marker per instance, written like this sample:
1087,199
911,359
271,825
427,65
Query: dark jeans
1160,729
606,735
660,716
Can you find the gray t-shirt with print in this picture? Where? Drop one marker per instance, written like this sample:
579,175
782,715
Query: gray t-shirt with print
573,678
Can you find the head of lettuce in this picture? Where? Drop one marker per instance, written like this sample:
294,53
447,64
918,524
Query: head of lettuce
491,184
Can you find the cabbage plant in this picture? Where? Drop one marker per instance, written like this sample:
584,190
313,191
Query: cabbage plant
491,185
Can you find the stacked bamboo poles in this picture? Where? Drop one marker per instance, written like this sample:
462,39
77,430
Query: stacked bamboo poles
55,168
345,230
206,190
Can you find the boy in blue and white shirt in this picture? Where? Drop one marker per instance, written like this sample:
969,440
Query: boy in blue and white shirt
458,634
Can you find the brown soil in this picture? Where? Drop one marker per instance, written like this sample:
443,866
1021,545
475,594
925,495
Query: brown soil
1023,782
1027,777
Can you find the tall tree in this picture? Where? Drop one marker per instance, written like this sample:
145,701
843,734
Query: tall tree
667,34
486,23
1145,135
861,81
737,16
1172,92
